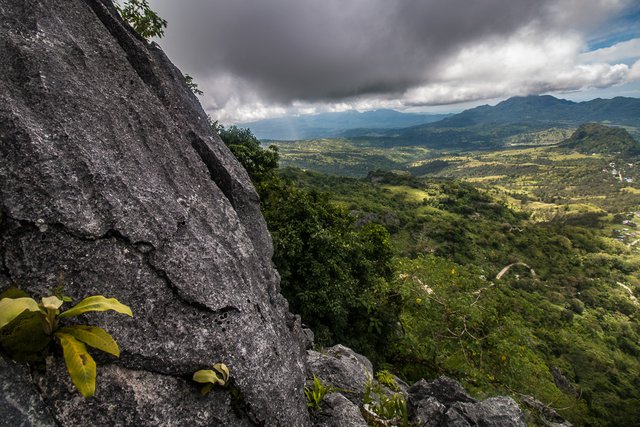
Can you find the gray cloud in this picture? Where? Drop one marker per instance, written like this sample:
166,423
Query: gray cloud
280,51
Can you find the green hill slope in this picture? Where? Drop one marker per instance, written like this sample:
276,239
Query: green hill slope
596,138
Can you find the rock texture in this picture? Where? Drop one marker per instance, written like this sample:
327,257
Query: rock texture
338,411
341,367
111,176
443,402
439,403
20,402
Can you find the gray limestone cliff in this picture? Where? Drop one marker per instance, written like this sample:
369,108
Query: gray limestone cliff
111,176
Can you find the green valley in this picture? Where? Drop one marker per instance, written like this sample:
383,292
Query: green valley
515,270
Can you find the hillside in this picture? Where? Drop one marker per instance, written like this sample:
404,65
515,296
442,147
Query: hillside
545,109
595,138
514,271
562,326
534,151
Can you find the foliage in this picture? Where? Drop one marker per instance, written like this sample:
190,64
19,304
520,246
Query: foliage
192,85
572,317
27,328
386,378
142,18
334,273
419,294
316,393
218,376
381,406
261,164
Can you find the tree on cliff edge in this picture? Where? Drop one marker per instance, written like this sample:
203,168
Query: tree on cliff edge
335,275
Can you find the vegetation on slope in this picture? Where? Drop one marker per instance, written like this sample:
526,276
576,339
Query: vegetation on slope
336,275
596,138
424,300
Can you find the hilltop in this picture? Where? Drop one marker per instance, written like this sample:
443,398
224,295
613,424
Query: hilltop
596,138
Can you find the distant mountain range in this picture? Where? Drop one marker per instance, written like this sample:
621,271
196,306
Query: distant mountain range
548,109
484,127
332,125
489,126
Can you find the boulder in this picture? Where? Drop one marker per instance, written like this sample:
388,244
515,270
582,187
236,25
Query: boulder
444,389
338,411
111,176
341,368
444,402
428,412
493,412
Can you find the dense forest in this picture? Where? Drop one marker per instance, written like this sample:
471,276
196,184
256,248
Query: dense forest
510,287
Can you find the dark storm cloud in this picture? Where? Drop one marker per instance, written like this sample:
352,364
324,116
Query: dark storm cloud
278,51
303,49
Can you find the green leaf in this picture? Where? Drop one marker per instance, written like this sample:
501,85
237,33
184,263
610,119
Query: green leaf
10,308
222,369
24,339
206,389
207,376
80,364
93,336
14,292
97,303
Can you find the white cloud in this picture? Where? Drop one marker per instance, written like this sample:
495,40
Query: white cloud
634,73
624,51
531,61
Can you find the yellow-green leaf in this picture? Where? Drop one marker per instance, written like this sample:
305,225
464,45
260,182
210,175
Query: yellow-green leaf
52,302
80,364
207,376
97,303
206,389
223,370
13,292
10,308
93,336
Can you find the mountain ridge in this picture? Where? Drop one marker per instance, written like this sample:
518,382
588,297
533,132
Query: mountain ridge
487,126
542,108
334,124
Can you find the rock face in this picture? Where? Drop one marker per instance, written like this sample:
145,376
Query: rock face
111,176
342,368
356,396
443,402
20,402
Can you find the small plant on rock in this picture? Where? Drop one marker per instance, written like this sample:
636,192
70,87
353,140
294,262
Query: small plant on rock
27,328
218,376
382,409
386,378
316,393
142,18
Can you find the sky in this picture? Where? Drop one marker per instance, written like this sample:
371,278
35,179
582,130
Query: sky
256,59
